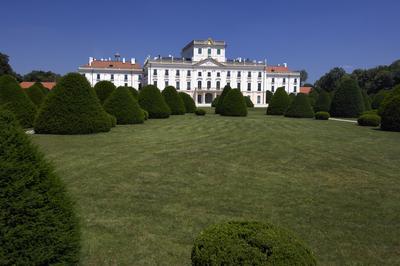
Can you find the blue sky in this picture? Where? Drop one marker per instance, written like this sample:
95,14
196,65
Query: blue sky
312,35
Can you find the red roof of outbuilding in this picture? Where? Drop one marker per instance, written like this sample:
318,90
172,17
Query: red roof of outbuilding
305,90
279,69
27,84
112,64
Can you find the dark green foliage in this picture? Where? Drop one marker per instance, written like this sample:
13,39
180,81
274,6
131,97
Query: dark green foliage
323,102
249,243
72,108
151,100
378,98
6,69
234,104
36,93
124,107
13,98
200,112
174,101
390,114
219,107
134,92
215,101
370,112
41,76
366,100
300,107
313,95
38,225
321,115
268,96
388,95
248,101
347,101
190,106
291,97
279,102
369,120
146,114
104,89
329,81
113,120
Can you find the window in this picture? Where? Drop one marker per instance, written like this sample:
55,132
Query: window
273,80
155,72
155,83
259,74
295,81
166,72
273,88
239,74
199,74
188,73
199,99
178,85
112,76
218,51
188,85
199,50
98,76
295,89
249,86
259,86
178,73
228,74
126,84
208,85
208,74
166,83
209,51
199,84
284,80
218,74
249,74
228,84
126,77
258,99
238,85
218,85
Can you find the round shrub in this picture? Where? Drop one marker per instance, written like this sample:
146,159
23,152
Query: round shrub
188,101
215,101
378,98
234,104
72,108
36,94
151,100
323,102
390,114
174,101
146,114
200,112
248,101
104,89
13,98
124,107
38,225
321,115
300,107
249,243
291,97
134,92
219,107
279,102
113,120
369,120
268,96
348,100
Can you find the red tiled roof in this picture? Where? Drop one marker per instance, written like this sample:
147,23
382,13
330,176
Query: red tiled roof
112,64
305,90
27,84
279,69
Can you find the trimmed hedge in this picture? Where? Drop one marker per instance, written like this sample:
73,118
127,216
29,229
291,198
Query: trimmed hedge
14,99
279,102
200,112
291,97
174,101
323,102
36,93
219,107
249,243
248,101
321,115
38,225
215,101
314,94
190,106
348,100
366,100
234,104
134,91
72,108
369,120
268,96
124,107
104,89
151,100
390,114
300,107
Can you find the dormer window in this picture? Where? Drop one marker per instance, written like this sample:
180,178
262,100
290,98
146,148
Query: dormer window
199,50
209,51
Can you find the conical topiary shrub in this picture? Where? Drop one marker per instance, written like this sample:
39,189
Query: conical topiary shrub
72,108
190,106
314,94
366,100
151,100
36,93
134,92
279,102
248,101
390,113
104,89
347,101
173,100
268,96
38,225
219,107
323,103
300,107
13,98
124,107
215,101
234,104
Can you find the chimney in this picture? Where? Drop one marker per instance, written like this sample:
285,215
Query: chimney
285,64
123,60
90,61
133,61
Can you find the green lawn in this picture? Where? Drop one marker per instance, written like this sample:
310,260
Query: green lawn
144,192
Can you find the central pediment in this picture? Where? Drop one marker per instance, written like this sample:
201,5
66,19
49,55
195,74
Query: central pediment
209,62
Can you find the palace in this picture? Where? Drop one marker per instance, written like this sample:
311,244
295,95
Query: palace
202,71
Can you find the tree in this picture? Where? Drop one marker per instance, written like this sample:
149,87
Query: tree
104,89
36,93
329,81
323,102
72,108
15,100
218,108
5,67
190,106
151,100
347,101
248,101
174,101
268,96
300,107
234,104
303,76
279,102
366,100
124,107
37,219
41,76
390,114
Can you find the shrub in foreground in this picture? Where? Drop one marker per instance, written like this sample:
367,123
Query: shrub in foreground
38,225
268,96
124,107
146,114
348,100
200,112
134,92
279,102
378,98
248,101
322,115
369,120
36,93
249,243
174,101
234,104
151,100
300,107
390,114
104,89
13,98
323,102
113,120
219,104
72,108
215,101
188,101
